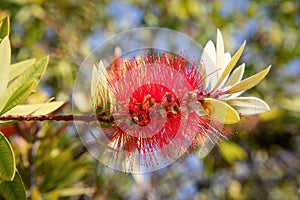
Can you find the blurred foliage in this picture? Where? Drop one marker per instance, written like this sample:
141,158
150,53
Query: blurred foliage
265,158
18,81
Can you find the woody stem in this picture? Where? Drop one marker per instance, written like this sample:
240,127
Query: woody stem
86,118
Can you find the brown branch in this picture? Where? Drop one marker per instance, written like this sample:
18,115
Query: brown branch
86,118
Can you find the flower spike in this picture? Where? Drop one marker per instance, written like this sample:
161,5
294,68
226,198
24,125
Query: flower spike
159,105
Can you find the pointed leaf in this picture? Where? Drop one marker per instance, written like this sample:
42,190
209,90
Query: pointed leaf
34,72
220,111
19,95
249,82
208,59
24,109
94,82
236,75
49,107
249,105
103,98
230,65
4,27
5,56
227,58
13,190
219,50
18,68
35,109
7,160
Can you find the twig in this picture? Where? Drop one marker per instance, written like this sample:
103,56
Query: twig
86,118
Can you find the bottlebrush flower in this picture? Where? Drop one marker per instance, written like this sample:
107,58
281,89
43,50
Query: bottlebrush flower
158,104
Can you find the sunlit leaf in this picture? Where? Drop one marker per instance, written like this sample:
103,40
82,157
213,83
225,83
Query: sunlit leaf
248,105
209,62
5,57
236,75
18,96
18,68
13,190
249,82
4,27
24,109
230,65
220,111
103,98
231,152
94,81
35,109
7,160
48,108
219,50
34,72
226,59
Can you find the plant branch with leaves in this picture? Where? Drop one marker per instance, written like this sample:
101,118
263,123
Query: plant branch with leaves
218,99
17,81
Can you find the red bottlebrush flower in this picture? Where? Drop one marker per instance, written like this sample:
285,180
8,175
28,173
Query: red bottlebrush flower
159,105
154,103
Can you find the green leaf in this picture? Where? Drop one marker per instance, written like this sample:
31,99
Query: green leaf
5,56
19,95
48,107
102,99
249,82
35,109
94,82
7,160
4,27
248,105
230,65
231,152
208,62
220,111
236,75
24,109
219,50
13,190
34,72
18,68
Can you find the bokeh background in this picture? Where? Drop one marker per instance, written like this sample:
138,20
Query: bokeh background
262,161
